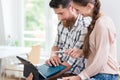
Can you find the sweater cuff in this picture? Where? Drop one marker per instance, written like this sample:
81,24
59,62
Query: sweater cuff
83,76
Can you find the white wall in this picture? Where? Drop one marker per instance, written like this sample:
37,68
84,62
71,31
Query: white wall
51,26
111,7
13,19
2,34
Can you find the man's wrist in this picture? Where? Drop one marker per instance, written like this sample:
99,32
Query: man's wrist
53,53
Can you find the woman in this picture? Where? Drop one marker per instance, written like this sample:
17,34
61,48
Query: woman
99,46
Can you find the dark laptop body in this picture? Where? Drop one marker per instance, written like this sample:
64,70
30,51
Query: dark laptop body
41,72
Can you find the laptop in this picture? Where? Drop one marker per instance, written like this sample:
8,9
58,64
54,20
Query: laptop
42,72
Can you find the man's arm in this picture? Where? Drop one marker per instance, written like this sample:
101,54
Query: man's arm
53,49
53,55
54,60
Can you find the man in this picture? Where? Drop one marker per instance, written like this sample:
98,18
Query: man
70,36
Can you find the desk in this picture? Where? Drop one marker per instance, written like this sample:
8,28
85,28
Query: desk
7,51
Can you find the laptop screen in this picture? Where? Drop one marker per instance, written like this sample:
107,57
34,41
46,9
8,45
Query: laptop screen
30,68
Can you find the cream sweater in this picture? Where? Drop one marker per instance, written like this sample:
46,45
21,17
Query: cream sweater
103,55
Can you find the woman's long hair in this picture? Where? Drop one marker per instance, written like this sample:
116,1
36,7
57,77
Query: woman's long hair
96,3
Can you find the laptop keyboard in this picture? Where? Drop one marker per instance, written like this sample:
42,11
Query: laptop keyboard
49,70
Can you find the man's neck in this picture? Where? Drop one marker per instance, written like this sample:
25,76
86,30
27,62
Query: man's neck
73,21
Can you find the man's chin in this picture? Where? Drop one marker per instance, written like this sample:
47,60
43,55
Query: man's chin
63,21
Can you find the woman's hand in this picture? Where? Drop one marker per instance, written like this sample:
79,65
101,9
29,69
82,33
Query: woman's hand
71,78
75,53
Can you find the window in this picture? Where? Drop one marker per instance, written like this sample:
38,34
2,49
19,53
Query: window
39,25
34,30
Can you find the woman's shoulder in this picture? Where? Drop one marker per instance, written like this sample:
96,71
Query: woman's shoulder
104,21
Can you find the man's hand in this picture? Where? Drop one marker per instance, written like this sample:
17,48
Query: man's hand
75,53
53,61
30,77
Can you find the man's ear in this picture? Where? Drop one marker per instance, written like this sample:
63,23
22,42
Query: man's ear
70,7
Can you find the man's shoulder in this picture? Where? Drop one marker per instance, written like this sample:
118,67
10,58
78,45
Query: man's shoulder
85,20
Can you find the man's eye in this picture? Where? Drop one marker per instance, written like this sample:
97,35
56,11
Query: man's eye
61,13
77,10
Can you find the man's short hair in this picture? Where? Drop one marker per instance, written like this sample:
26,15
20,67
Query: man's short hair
57,3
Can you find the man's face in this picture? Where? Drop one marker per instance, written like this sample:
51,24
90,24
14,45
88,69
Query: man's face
64,15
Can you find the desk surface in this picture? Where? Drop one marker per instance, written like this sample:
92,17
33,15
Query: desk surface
6,51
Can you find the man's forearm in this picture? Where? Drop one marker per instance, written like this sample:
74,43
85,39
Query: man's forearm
53,49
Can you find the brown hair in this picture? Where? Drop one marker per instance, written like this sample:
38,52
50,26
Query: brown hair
96,3
57,3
